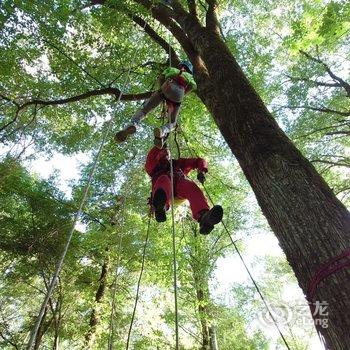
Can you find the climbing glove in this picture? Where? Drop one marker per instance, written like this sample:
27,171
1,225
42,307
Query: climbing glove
201,177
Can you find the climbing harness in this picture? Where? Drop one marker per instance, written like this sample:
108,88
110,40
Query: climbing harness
340,262
333,265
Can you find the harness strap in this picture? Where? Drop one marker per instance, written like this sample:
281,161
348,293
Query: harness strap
333,265
170,101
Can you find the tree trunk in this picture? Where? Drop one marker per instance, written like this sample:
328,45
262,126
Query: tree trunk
199,261
311,224
203,319
94,317
41,330
57,320
213,341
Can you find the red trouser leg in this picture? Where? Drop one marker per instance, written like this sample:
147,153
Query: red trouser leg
187,189
164,183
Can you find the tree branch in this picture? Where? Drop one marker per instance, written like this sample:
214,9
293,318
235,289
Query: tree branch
315,82
99,92
342,123
73,61
340,132
192,7
164,15
9,99
156,37
13,120
9,341
212,21
342,82
324,161
105,91
321,109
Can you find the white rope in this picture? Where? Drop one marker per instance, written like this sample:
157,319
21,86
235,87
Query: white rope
174,249
173,221
111,322
139,283
53,282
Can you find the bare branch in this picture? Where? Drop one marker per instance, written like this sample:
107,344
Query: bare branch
315,82
105,91
9,341
342,82
340,132
13,120
156,37
321,109
324,161
343,189
344,123
165,15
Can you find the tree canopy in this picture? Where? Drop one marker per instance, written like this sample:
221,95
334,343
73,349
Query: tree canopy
64,64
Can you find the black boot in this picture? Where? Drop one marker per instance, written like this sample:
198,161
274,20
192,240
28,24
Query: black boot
122,135
210,218
158,202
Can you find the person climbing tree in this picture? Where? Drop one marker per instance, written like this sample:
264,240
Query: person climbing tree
178,82
158,168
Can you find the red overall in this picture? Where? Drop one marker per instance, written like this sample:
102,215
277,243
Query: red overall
158,167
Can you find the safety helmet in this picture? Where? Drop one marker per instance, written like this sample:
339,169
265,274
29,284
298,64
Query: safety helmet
187,65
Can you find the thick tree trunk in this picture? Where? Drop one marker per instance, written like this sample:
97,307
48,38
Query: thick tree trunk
311,224
94,317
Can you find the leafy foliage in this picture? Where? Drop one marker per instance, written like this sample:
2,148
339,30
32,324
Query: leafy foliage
58,50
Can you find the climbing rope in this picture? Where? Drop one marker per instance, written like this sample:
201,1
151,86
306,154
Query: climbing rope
139,283
173,222
174,247
241,258
76,218
69,238
110,342
114,292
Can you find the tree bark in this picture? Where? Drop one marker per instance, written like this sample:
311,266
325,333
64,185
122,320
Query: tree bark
311,224
94,317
